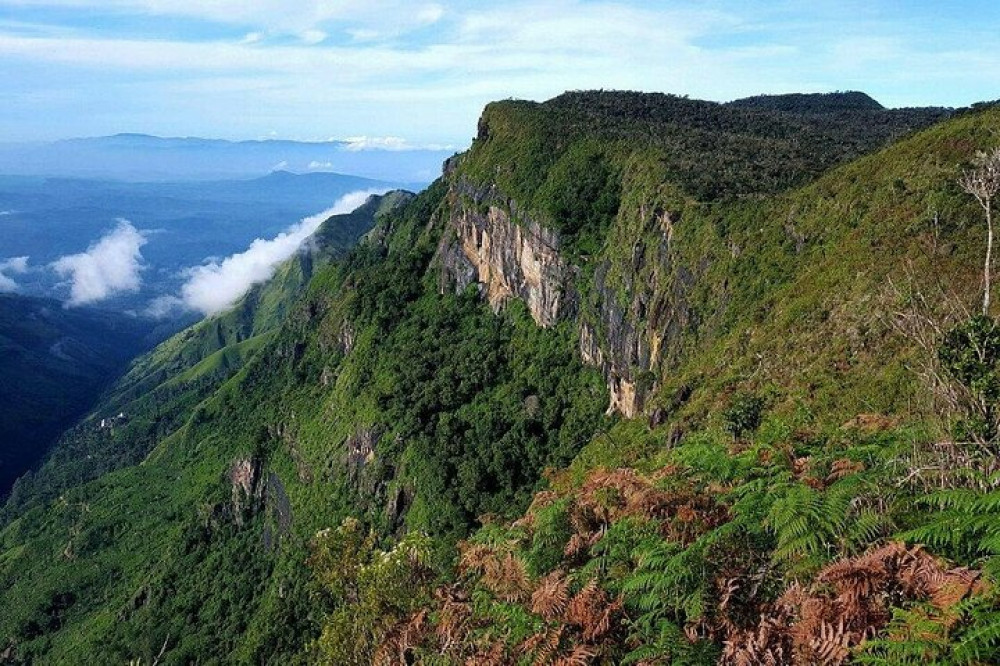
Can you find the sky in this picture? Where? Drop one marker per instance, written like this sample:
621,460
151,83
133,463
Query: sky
420,72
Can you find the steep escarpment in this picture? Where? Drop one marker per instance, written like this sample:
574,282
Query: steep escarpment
565,207
410,457
372,395
490,243
798,495
160,388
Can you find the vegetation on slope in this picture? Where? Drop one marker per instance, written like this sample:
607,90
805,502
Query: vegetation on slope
376,396
812,102
712,151
388,473
797,497
161,388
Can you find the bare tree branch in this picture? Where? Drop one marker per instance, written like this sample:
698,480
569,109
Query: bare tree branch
982,181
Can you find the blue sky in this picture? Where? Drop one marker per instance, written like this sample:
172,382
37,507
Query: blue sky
421,71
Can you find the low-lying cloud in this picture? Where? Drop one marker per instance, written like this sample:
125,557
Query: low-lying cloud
110,266
13,265
357,144
215,286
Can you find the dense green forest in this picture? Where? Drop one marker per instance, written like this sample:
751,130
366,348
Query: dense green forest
640,379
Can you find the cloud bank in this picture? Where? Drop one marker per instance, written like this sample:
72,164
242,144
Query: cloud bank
215,286
13,265
108,267
356,144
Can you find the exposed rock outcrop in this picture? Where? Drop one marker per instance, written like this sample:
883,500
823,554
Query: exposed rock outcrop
248,486
637,310
616,344
492,243
632,313
280,512
257,491
361,450
398,504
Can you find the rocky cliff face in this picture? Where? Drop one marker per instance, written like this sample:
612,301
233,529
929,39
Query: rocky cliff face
626,316
489,241
637,308
248,487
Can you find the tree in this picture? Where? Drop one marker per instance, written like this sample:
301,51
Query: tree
372,592
982,181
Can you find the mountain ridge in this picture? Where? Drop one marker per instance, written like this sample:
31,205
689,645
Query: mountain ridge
852,100
230,337
442,394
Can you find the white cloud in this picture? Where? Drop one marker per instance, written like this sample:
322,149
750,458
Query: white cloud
312,37
4,213
364,34
430,14
215,286
402,75
280,166
274,15
524,49
108,267
13,265
164,306
359,143
315,165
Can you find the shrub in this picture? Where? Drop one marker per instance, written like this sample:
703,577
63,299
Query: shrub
743,414
970,354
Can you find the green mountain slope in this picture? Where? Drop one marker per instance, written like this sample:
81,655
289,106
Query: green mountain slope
160,388
792,483
605,284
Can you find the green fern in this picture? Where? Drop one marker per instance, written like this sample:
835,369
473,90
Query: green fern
964,524
807,524
922,636
707,458
615,555
980,644
916,638
867,527
670,643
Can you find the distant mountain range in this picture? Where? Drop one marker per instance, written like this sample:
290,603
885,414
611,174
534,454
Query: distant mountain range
138,157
